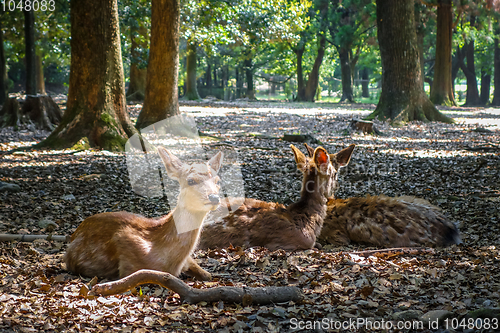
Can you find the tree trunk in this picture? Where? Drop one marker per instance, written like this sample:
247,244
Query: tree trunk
365,81
442,88
402,97
485,87
249,78
208,78
301,87
239,82
29,40
43,111
96,107
496,74
10,114
138,70
162,99
346,74
3,70
313,79
40,81
420,37
191,90
472,97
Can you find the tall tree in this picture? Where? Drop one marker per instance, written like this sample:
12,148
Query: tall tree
3,70
402,97
191,89
162,100
96,107
496,75
348,22
29,40
468,67
138,62
442,87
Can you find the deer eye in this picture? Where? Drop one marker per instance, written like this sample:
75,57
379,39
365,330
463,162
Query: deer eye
191,182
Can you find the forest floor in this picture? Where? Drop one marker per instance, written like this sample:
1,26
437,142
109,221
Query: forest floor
454,166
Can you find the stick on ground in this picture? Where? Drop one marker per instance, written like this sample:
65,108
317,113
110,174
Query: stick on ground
394,252
247,295
31,238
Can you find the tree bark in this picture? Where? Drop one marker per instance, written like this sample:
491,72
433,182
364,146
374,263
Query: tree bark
40,80
485,87
96,107
138,71
208,78
29,40
365,81
313,79
301,87
420,38
442,88
162,100
249,78
402,98
346,74
191,90
10,114
496,74
43,111
472,96
245,295
3,70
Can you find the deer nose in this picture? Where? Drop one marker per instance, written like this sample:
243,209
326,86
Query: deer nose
214,198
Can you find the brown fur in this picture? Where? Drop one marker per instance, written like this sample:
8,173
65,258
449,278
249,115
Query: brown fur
387,222
272,225
114,245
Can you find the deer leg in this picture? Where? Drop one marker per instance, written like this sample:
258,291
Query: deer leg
193,269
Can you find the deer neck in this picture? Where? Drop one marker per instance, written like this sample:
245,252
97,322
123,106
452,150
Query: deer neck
187,220
312,204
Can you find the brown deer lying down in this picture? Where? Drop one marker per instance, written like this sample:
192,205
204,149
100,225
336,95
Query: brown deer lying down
272,225
114,245
386,222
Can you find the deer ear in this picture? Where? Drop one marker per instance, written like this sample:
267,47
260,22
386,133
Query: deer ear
300,159
342,158
216,161
173,164
321,159
310,150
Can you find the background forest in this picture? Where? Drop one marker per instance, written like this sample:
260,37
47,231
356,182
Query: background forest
414,84
274,49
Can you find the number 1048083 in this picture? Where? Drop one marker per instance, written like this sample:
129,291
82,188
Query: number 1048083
28,5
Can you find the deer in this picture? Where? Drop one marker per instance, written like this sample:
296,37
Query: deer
382,221
273,225
116,244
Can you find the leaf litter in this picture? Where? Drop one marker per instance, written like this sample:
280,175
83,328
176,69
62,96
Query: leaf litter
433,161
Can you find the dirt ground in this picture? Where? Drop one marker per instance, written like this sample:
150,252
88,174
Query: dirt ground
454,166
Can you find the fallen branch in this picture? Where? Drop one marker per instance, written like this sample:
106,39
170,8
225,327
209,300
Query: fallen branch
482,163
246,295
394,252
307,138
31,238
487,147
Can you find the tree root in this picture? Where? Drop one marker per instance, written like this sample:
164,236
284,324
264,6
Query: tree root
245,295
